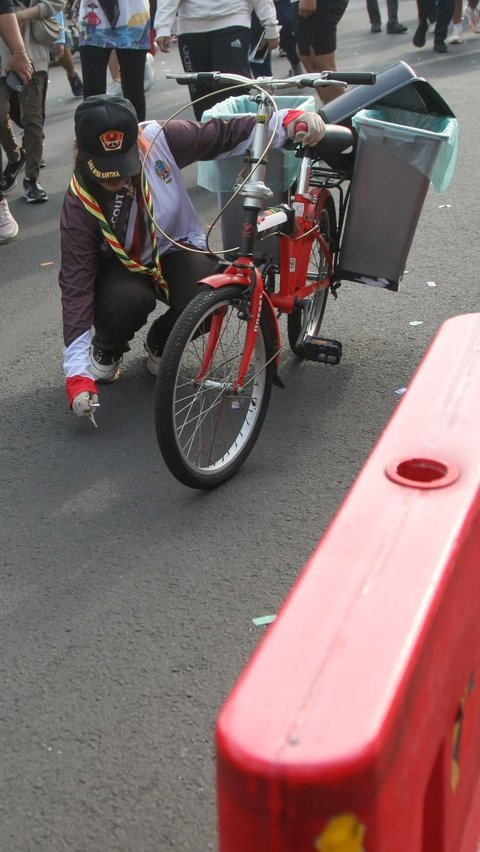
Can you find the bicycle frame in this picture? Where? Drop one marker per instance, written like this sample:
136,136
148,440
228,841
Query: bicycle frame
295,248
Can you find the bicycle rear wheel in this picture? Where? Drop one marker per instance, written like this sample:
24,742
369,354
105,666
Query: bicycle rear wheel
307,317
205,431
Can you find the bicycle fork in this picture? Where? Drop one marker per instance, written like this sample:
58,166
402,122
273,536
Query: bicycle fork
254,298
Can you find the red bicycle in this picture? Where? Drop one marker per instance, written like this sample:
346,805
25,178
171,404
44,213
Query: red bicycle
217,370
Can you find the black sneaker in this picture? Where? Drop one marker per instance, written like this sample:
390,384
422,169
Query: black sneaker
33,192
376,27
420,35
12,171
440,47
396,28
104,366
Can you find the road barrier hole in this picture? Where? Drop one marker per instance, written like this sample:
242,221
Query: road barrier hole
422,472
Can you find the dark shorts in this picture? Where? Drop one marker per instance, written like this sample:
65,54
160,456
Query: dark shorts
319,31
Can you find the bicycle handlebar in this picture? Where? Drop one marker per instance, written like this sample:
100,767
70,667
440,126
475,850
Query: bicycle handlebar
324,78
356,78
301,130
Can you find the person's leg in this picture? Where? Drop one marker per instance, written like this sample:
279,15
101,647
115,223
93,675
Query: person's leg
94,62
115,86
7,136
422,27
182,269
226,49
473,16
196,55
445,10
114,65
317,41
431,10
230,50
373,11
66,62
288,42
8,225
132,73
32,115
457,20
394,27
123,301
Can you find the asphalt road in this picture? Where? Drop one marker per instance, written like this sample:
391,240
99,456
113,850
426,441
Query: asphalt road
127,600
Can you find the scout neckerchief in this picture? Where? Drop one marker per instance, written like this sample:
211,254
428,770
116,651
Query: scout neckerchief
91,204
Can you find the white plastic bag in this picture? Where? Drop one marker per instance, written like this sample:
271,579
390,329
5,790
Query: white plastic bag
149,77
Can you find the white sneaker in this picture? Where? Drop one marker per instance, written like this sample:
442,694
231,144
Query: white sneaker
104,367
153,360
8,225
456,36
115,88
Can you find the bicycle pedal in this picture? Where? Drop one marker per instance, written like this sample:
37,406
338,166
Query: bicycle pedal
322,349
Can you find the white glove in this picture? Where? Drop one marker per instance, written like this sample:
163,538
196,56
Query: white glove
82,404
315,132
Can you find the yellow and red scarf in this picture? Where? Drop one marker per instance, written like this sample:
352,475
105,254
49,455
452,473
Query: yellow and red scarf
91,204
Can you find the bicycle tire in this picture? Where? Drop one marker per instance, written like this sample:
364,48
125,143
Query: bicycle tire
205,434
307,316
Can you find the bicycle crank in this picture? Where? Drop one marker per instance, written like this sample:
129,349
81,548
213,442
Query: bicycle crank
321,349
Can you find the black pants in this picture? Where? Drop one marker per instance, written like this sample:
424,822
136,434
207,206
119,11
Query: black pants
374,11
219,50
441,11
124,299
94,62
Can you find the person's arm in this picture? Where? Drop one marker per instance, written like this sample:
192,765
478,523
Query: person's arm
164,22
191,141
43,9
10,32
80,248
267,15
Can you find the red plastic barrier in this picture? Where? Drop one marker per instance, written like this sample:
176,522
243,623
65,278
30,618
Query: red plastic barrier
356,725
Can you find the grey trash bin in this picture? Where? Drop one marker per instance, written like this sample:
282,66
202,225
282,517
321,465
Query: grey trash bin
398,154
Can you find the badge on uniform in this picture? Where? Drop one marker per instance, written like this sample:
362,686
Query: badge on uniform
163,171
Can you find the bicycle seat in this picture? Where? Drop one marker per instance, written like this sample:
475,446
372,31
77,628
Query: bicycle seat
336,140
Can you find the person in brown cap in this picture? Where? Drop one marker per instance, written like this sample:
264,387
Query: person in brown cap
130,235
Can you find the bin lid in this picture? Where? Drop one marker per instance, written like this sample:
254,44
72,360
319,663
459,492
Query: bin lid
418,96
396,86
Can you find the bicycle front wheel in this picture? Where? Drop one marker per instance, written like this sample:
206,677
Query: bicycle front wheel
307,316
205,429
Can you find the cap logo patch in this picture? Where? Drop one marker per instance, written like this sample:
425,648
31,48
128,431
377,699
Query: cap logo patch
112,140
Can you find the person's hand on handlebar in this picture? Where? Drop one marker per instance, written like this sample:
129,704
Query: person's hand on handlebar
312,134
